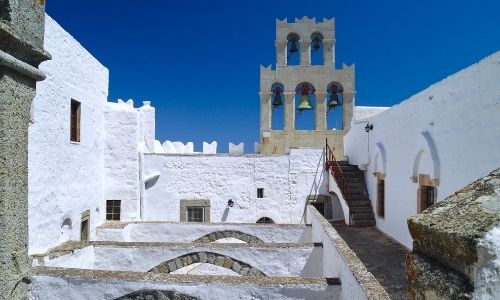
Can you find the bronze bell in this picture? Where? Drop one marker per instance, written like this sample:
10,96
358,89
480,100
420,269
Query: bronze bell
305,104
277,100
316,43
334,101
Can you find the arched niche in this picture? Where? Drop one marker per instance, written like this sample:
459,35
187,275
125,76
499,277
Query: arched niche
293,49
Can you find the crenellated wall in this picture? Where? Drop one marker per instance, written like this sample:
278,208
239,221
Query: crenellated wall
447,135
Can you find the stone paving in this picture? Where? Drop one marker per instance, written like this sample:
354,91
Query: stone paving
383,257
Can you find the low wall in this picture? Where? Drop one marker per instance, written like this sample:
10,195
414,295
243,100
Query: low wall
50,283
272,260
190,232
340,261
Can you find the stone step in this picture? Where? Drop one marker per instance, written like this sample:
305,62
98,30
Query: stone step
361,223
358,203
361,209
362,216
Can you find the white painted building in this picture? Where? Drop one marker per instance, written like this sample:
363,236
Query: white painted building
446,136
93,163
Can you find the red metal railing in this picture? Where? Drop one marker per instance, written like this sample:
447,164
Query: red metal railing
333,166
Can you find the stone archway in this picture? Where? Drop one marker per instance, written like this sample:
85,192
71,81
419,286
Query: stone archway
156,294
214,236
208,258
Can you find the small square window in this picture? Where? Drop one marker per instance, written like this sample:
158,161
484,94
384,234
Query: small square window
195,214
260,193
113,208
75,121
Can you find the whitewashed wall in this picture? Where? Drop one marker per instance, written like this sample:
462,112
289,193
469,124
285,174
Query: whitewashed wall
339,261
81,287
277,261
449,131
121,158
287,181
189,232
65,178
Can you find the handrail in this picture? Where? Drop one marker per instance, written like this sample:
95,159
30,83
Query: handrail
332,164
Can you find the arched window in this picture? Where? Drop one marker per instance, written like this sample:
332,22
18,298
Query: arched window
334,105
278,113
317,49
304,100
265,220
293,50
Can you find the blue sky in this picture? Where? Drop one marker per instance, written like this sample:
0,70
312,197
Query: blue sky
198,61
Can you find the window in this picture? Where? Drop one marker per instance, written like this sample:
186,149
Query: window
194,210
195,214
427,197
381,198
113,210
75,121
265,220
84,226
260,193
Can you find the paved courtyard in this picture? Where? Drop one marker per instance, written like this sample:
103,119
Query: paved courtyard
383,257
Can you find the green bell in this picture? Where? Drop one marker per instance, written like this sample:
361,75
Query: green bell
304,103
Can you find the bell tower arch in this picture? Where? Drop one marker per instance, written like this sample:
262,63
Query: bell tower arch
322,90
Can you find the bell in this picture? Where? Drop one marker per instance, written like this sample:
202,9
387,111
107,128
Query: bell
277,100
334,101
304,103
316,43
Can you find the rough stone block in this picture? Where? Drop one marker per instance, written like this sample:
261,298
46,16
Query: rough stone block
205,240
254,272
236,267
211,258
178,263
228,263
203,257
194,258
172,266
219,260
244,271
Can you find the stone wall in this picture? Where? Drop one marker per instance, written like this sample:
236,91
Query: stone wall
456,244
21,51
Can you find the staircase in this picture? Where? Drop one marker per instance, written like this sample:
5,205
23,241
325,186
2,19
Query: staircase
351,182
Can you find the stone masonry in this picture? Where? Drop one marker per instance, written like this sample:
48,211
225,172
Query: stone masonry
214,236
21,51
210,258
449,260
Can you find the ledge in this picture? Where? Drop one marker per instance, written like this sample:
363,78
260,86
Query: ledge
179,278
121,225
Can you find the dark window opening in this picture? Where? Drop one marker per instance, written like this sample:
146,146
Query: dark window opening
265,220
75,121
428,196
113,208
260,193
381,198
195,214
84,230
